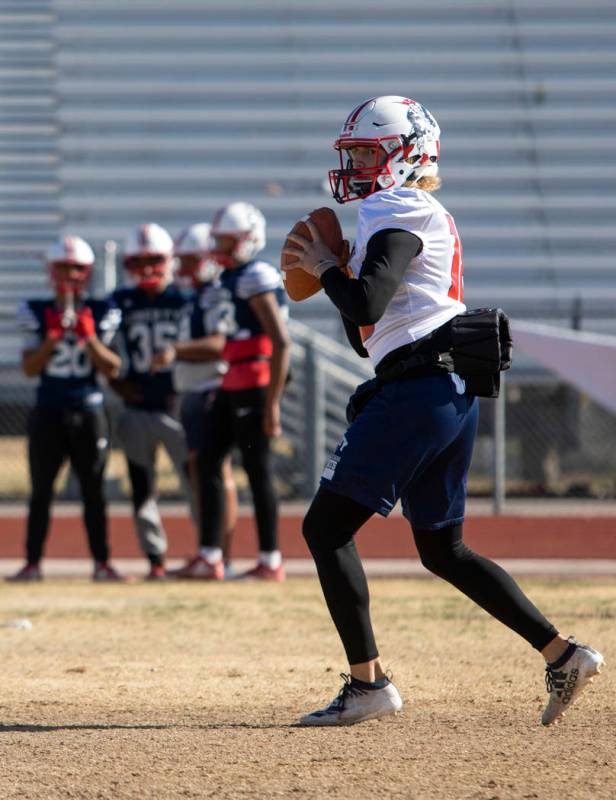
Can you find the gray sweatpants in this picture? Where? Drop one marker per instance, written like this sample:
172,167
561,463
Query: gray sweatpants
140,433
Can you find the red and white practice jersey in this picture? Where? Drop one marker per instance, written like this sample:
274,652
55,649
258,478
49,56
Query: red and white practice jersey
432,291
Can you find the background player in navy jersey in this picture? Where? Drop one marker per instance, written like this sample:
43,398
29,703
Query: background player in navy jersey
198,371
414,438
152,311
65,345
250,307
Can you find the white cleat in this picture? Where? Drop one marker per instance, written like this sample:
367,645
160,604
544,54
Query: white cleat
354,704
567,682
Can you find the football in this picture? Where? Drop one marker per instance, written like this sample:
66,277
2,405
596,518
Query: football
299,284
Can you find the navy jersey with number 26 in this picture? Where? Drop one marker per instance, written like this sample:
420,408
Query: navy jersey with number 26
69,378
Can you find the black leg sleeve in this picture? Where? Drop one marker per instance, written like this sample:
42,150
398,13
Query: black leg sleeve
46,452
444,553
217,443
89,441
256,460
329,526
254,446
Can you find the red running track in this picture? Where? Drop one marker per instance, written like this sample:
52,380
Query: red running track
509,536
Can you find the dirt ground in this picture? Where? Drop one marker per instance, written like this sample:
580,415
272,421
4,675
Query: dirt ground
192,690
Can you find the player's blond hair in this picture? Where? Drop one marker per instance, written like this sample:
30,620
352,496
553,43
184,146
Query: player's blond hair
429,183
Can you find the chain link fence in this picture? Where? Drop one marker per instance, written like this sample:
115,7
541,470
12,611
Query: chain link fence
559,443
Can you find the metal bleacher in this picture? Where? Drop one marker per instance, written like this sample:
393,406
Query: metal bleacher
30,213
121,112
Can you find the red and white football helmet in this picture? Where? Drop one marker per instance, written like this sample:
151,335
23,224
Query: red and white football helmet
194,264
148,255
69,262
399,129
246,225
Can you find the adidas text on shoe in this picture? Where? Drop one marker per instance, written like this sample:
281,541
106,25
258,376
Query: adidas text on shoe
565,682
29,572
354,704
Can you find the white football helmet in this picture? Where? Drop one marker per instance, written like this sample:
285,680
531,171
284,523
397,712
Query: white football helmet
69,262
148,254
192,249
246,224
405,137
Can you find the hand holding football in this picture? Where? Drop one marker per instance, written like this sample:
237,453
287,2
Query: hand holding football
299,282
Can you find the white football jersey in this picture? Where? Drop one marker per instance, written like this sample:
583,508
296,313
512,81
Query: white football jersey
432,291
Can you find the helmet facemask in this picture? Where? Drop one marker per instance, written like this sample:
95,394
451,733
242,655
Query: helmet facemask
148,271
148,255
68,277
398,163
69,263
243,249
193,263
195,269
238,230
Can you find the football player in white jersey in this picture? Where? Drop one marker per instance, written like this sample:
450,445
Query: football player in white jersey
411,436
199,371
251,310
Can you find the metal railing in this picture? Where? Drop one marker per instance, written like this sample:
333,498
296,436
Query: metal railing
324,375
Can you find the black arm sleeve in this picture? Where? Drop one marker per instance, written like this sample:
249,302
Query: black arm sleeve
363,301
354,336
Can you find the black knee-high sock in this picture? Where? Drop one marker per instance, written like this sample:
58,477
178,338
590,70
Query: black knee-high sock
444,553
329,527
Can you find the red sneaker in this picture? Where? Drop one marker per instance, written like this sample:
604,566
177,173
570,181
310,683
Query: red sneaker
29,572
199,568
157,573
105,573
264,573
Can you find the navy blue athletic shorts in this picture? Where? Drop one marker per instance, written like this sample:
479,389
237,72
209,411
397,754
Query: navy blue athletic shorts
412,442
194,406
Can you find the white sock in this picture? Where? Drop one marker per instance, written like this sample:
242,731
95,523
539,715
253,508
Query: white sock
211,554
272,559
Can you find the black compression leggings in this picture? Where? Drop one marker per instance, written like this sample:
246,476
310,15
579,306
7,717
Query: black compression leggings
237,418
54,437
329,527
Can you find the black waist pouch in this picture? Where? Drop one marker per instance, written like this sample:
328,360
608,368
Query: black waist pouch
481,348
361,397
476,345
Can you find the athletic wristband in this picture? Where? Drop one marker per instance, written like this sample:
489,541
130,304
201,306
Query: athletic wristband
323,266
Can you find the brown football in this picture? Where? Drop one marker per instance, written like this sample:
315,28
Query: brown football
300,284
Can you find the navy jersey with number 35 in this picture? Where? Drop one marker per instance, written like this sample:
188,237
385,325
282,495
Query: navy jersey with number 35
68,380
149,325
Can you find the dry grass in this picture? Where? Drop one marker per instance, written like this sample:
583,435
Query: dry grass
186,691
15,480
